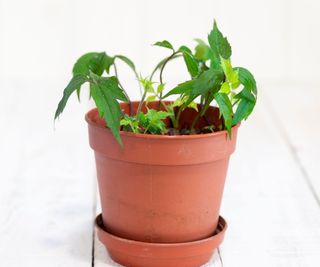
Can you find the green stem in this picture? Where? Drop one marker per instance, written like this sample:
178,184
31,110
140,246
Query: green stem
116,73
160,64
235,102
162,68
141,102
202,111
124,91
176,121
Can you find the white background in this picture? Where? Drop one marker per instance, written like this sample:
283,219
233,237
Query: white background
40,40
47,184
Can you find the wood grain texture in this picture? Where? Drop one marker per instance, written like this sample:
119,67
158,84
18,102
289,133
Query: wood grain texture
273,217
296,111
46,185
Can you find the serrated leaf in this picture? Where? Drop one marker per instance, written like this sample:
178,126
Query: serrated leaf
246,78
73,85
219,44
182,88
108,108
165,44
147,84
245,93
244,109
82,64
152,121
130,124
111,84
210,79
245,105
94,62
225,108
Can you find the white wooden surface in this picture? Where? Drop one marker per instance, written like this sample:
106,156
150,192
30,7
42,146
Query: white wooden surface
48,190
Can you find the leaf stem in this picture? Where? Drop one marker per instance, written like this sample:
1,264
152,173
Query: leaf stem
177,118
162,68
124,91
202,111
141,102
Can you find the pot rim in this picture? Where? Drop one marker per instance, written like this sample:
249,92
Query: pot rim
157,136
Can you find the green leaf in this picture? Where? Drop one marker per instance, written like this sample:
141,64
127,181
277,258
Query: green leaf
246,78
185,49
182,88
210,79
126,60
218,43
82,64
245,106
165,44
191,62
243,111
130,124
152,121
225,88
94,62
160,88
245,93
108,107
147,84
225,108
232,75
150,98
202,50
112,84
182,100
234,79
73,85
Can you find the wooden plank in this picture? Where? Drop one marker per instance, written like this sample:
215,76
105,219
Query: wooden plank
296,110
273,217
46,185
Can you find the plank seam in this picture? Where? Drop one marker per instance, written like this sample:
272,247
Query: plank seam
287,140
94,210
220,256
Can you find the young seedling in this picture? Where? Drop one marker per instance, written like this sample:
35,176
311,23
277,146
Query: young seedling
213,80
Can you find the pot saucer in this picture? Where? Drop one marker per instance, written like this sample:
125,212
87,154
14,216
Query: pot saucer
131,253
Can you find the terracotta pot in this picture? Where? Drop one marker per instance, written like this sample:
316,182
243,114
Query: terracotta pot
143,254
160,188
